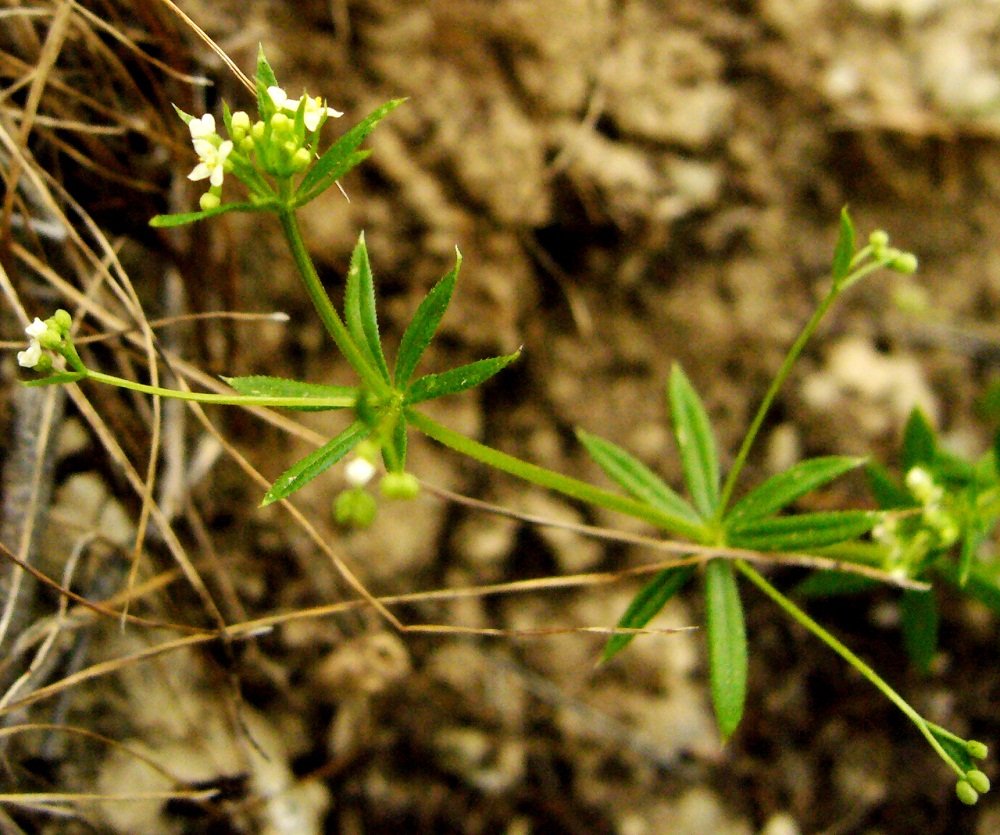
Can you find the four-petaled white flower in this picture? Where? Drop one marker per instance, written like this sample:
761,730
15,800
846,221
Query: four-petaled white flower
315,109
212,159
29,357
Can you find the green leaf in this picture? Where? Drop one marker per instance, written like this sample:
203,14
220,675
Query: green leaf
457,379
265,75
727,645
781,490
646,605
843,253
888,493
636,478
359,309
260,386
58,378
300,474
971,541
324,171
920,627
803,531
171,221
424,325
919,441
980,584
696,443
832,584
956,749
337,170
394,452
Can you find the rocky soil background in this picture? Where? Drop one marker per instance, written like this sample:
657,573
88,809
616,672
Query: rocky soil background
631,184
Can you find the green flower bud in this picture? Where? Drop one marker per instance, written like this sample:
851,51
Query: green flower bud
878,240
44,365
61,320
52,339
979,781
966,793
257,131
246,145
280,123
301,159
209,201
354,509
977,750
903,262
399,486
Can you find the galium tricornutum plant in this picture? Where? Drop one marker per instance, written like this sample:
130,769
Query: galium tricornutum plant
277,160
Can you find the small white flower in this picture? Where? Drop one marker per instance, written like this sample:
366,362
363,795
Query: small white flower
359,472
29,357
203,127
36,328
212,161
314,112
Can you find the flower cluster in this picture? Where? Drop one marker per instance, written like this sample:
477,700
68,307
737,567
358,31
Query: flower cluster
49,335
911,539
282,143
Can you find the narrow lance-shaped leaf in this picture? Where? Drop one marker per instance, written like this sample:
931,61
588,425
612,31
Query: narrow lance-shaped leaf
265,78
646,605
727,645
833,583
696,443
183,218
264,72
394,452
843,253
359,308
457,379
782,489
262,386
919,623
424,325
337,170
636,478
300,474
322,174
803,531
919,441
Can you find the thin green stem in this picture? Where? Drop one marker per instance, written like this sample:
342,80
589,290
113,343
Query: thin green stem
344,402
790,359
324,307
566,485
827,638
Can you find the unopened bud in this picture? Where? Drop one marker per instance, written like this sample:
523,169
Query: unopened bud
354,509
62,320
904,262
879,240
301,159
977,750
399,486
966,793
209,201
979,781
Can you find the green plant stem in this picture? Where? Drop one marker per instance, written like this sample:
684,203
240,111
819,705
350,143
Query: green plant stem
324,307
566,485
224,399
790,359
837,646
